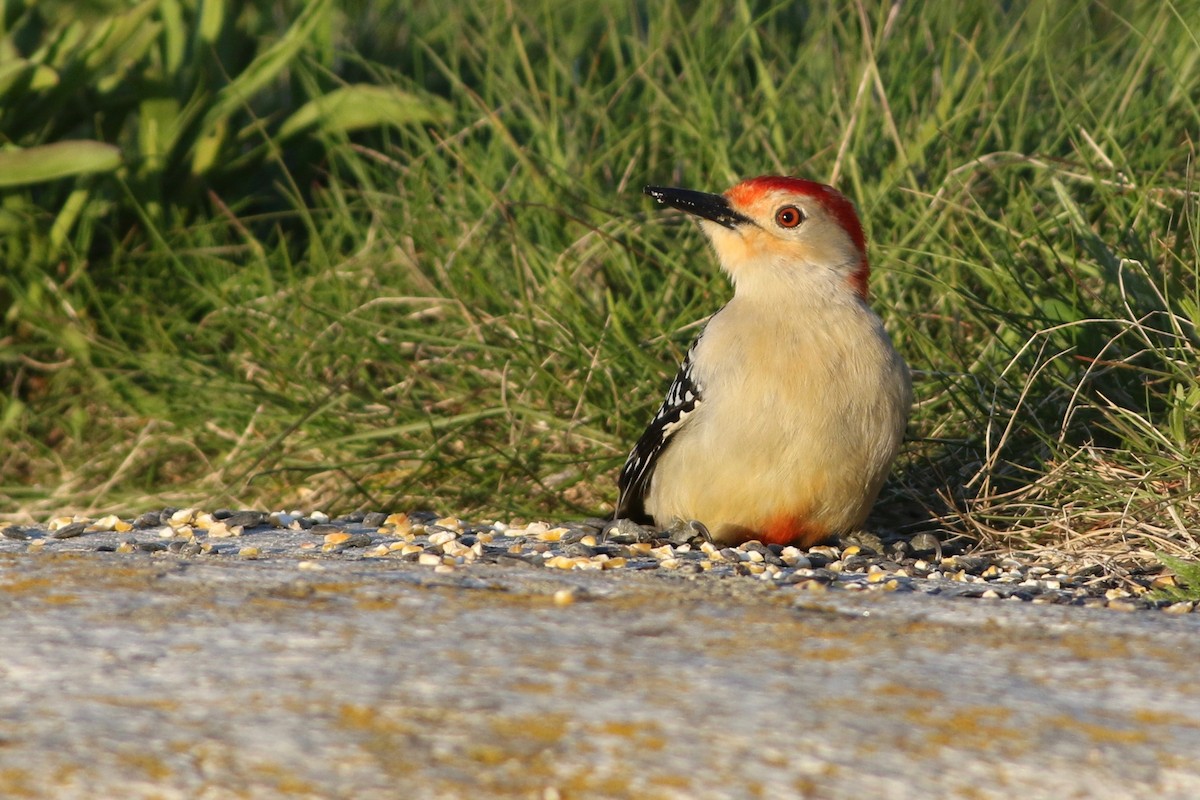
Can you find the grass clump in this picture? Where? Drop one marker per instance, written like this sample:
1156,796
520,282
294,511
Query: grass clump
1187,580
477,311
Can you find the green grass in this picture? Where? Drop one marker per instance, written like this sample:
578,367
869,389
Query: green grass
1186,585
476,310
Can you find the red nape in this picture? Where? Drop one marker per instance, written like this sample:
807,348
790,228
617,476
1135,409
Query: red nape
793,531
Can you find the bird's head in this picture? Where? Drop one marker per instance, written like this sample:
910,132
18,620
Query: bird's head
778,227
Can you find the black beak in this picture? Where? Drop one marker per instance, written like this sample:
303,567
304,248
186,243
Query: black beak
709,206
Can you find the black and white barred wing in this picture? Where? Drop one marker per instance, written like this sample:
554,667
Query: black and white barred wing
683,398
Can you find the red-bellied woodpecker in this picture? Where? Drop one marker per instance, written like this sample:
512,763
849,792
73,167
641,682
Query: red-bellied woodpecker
790,406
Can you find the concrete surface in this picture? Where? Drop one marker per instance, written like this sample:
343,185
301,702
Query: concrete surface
146,676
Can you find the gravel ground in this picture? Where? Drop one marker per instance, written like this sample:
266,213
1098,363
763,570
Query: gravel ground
229,655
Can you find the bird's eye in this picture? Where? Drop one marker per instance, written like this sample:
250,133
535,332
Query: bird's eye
789,217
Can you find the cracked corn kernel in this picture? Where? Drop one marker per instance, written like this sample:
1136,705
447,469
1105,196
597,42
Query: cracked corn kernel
553,535
182,532
794,557
108,523
404,531
438,538
219,530
457,549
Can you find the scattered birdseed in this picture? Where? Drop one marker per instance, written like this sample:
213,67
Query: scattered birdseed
220,530
246,519
440,537
1122,605
69,530
280,519
552,535
860,562
109,523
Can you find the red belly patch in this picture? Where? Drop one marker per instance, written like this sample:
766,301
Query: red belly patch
794,531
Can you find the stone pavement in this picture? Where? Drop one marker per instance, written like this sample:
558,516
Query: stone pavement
158,676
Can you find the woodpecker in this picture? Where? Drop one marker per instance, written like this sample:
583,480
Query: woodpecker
788,410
